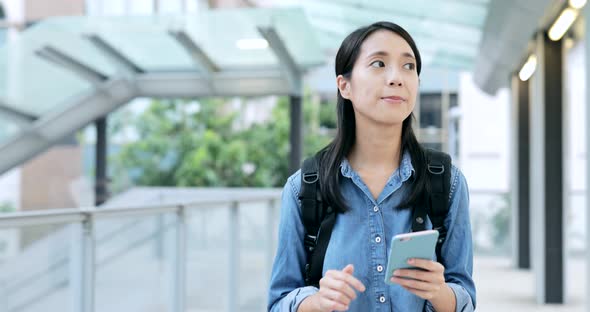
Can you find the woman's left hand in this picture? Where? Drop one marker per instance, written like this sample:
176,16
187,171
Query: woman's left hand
426,284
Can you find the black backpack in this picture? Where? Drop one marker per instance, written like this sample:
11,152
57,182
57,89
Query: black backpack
319,220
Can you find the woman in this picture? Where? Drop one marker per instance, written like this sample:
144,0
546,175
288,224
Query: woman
373,172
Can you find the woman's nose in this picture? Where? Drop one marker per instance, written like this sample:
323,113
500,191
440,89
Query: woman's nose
394,78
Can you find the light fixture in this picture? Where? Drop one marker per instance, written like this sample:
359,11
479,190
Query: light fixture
562,24
528,68
252,44
577,4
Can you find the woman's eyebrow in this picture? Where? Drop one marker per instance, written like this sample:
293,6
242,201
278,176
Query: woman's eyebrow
408,54
378,53
383,53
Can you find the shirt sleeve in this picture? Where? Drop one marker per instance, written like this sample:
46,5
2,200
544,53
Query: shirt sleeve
287,286
457,250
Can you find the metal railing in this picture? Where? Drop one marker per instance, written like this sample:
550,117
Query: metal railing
84,260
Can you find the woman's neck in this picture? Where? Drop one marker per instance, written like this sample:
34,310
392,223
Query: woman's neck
376,148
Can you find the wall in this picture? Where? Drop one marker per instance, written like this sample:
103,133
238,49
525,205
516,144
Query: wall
484,136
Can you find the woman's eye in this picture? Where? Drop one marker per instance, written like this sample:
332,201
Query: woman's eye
410,66
378,64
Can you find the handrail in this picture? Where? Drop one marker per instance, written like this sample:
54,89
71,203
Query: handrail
86,217
77,215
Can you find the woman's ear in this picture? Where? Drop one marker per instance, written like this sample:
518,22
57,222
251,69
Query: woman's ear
343,86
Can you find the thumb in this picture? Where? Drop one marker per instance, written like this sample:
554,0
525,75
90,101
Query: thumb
348,269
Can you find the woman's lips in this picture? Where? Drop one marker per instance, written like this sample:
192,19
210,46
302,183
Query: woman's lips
393,99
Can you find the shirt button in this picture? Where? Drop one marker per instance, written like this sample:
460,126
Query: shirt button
375,208
382,299
377,239
379,268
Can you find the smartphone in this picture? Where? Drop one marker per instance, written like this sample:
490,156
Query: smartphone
420,245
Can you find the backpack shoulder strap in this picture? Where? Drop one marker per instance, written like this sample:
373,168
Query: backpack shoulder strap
308,195
439,177
318,221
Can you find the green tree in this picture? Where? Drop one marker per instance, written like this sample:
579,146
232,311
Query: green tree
328,115
6,207
185,143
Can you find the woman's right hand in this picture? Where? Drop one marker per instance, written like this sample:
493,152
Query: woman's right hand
337,290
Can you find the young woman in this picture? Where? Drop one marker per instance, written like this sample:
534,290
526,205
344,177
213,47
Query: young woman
373,172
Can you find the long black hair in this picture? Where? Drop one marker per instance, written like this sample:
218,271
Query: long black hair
334,153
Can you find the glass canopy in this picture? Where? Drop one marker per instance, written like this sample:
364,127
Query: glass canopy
62,73
447,33
60,65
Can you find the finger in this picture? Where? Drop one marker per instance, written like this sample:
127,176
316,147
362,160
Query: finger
331,305
339,286
414,284
425,264
426,276
348,278
348,269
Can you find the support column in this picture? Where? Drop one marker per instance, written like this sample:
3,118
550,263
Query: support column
520,173
296,134
586,13
547,172
101,193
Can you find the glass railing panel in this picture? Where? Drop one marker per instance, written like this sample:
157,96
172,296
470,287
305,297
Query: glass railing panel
36,268
133,263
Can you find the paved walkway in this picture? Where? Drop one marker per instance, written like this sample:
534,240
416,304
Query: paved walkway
500,287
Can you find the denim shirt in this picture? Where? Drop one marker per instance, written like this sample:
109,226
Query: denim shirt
362,236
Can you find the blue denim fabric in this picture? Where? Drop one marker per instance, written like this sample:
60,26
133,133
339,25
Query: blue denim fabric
354,240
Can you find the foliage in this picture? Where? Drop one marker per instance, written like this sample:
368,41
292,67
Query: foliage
6,207
328,118
501,223
201,143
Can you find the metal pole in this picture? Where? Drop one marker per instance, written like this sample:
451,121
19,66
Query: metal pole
521,187
444,113
234,248
270,226
156,7
180,263
82,266
546,192
88,264
101,180
296,133
587,88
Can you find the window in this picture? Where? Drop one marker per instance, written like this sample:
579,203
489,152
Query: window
431,109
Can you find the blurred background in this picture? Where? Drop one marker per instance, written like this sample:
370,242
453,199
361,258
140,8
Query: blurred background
144,143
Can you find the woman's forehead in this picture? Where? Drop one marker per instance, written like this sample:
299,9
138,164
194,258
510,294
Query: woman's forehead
385,41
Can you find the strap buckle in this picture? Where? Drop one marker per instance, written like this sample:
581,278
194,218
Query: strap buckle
438,169
310,178
442,234
309,241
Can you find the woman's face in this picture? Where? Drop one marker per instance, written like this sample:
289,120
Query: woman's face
384,80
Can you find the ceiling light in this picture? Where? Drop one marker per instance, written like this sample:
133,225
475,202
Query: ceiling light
252,44
577,4
528,68
562,24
